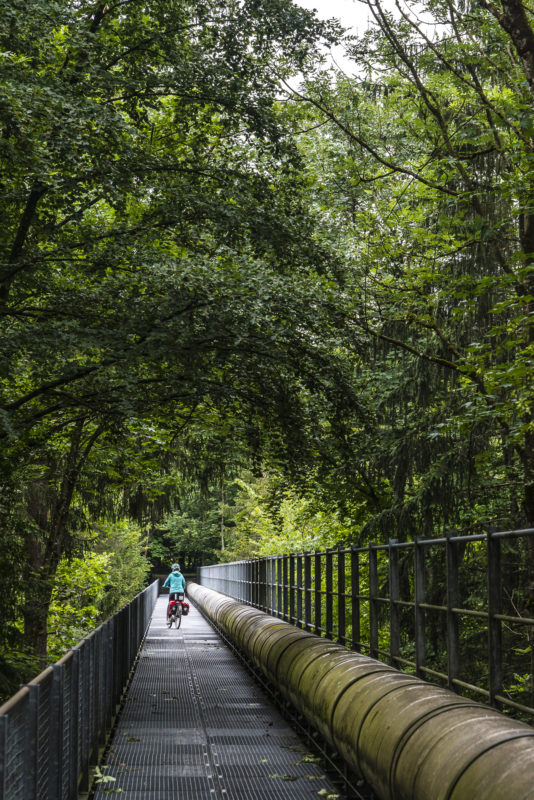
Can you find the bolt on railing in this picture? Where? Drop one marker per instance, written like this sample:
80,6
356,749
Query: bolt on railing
52,728
455,610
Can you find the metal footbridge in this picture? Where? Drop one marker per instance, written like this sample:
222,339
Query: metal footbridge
195,726
146,712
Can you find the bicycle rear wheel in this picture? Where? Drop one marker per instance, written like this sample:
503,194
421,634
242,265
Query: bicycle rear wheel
178,620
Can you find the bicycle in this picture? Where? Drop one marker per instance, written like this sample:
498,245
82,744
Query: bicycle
175,611
175,616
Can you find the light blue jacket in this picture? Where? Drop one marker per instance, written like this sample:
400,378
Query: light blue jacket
175,582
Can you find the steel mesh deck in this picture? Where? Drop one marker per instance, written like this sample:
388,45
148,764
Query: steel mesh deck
195,726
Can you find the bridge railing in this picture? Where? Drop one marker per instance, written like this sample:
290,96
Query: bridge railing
52,729
456,610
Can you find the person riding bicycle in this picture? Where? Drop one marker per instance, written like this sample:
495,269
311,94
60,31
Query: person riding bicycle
176,584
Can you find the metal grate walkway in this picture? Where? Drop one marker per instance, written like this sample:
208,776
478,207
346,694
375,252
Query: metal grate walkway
195,726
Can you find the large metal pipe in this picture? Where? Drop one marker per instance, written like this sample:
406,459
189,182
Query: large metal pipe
410,740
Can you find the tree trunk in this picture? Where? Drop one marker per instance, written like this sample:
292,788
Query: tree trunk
49,502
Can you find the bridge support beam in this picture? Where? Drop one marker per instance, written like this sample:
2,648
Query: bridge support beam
408,739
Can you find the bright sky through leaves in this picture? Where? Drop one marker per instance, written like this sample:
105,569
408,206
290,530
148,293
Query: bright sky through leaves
351,13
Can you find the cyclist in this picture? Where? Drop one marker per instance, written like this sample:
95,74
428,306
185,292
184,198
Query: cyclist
176,584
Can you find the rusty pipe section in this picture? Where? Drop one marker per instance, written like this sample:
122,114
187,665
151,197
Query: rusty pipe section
408,739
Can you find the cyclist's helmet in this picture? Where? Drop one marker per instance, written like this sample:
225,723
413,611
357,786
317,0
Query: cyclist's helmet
175,567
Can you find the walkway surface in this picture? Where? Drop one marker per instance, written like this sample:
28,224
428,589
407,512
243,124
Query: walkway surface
195,726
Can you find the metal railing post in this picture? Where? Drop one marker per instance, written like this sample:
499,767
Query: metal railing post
74,760
270,590
318,590
373,606
31,743
420,597
355,598
329,588
307,591
263,584
110,658
83,721
254,582
94,699
279,587
55,769
341,632
285,584
291,588
299,620
394,597
453,602
494,608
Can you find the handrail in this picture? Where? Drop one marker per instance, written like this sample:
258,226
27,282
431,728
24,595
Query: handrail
52,728
418,604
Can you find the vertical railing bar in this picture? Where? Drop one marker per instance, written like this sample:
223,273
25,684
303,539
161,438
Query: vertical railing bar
74,763
307,591
268,585
279,587
453,601
292,590
494,625
84,721
299,620
271,590
31,742
341,598
373,605
255,582
394,596
329,567
269,598
110,659
94,700
355,600
285,585
420,597
263,599
55,732
318,594
102,690
274,588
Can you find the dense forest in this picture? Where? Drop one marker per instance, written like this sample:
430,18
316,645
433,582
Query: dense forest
251,303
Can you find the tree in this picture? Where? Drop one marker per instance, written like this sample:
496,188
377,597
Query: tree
429,155
158,266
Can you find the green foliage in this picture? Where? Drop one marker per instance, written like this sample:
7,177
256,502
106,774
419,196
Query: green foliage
189,536
89,589
420,169
124,544
78,592
270,518
158,267
16,667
